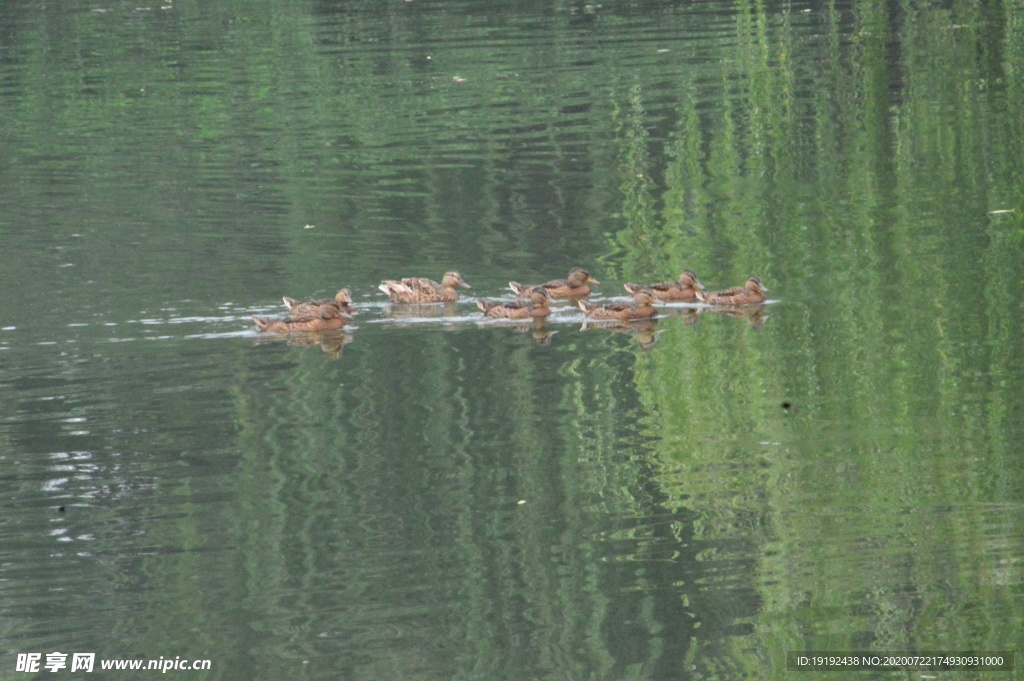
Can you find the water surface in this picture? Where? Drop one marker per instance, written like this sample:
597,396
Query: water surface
429,494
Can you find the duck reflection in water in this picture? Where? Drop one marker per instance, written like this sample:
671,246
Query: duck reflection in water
645,331
542,335
690,315
331,342
753,314
401,312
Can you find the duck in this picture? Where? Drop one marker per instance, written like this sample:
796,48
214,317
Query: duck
750,293
419,290
340,306
642,307
573,286
299,324
685,289
536,307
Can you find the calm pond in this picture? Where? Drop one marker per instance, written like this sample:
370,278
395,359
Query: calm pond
429,494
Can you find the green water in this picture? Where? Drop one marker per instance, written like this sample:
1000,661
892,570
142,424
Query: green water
432,495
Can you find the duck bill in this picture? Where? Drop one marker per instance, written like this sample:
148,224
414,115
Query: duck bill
591,280
464,285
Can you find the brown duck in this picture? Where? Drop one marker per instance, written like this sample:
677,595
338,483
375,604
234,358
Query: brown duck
750,293
419,290
641,308
299,324
685,289
339,307
535,307
573,286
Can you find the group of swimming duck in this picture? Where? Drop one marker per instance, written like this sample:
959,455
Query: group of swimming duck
531,301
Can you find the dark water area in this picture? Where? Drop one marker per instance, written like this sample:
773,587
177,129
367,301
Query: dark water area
431,494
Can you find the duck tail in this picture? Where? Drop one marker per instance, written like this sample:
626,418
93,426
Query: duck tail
585,305
517,288
262,323
632,288
393,288
290,302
